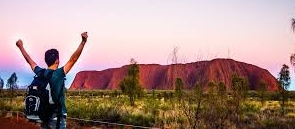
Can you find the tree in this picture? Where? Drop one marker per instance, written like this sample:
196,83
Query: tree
261,91
175,55
178,88
240,87
12,86
130,84
284,81
1,84
211,105
212,86
206,109
191,105
11,82
221,89
292,57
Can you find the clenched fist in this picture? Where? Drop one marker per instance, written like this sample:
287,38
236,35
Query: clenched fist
84,37
19,43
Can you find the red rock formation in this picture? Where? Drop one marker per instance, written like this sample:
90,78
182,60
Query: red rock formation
162,77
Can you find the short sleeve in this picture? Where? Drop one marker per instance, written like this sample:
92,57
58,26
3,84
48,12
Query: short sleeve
37,69
61,72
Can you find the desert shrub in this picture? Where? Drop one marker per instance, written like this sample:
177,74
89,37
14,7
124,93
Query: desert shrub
290,115
108,114
4,106
278,124
292,95
138,119
273,96
115,93
152,105
12,104
250,107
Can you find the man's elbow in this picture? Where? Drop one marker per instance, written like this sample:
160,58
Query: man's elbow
32,63
74,60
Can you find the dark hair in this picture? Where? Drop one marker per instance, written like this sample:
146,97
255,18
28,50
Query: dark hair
51,56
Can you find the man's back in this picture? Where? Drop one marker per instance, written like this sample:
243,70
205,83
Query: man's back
57,87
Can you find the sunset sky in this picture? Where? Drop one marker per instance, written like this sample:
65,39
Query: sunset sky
253,31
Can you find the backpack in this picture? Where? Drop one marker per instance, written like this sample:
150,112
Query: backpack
39,106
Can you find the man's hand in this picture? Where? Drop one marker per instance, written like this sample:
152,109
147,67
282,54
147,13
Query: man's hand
19,43
84,37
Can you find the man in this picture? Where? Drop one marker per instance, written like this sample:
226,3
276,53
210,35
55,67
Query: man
57,77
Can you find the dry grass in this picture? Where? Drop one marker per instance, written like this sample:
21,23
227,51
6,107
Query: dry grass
160,111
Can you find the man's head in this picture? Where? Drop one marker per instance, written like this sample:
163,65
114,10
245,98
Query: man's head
51,57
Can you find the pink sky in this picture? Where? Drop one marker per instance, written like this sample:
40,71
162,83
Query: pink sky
256,32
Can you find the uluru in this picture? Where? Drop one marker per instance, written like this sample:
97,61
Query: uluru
162,77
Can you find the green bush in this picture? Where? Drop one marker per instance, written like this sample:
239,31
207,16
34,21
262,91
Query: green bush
278,124
140,120
4,106
250,107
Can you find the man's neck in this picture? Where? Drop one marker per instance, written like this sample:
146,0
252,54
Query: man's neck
53,67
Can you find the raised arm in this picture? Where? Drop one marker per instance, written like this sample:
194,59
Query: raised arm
19,44
76,54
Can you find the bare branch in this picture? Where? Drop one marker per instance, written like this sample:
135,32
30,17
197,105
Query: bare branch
293,24
175,55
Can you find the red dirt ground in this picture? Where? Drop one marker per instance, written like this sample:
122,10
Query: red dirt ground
14,123
22,123
11,121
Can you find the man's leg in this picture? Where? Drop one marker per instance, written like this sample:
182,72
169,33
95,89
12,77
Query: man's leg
44,126
63,122
52,123
62,125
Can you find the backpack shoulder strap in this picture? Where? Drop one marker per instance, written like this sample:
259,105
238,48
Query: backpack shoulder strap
40,73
